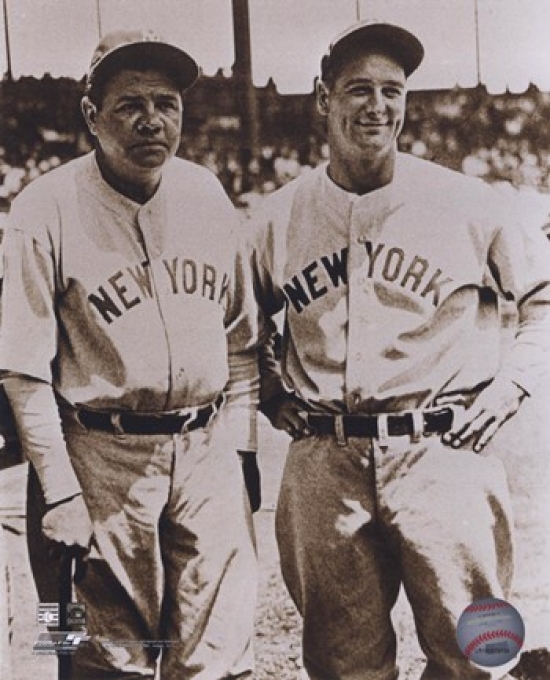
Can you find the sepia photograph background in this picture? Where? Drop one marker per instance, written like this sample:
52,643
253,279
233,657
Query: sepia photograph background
480,104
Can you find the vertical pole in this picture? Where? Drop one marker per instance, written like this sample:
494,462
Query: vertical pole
245,88
98,13
478,52
9,72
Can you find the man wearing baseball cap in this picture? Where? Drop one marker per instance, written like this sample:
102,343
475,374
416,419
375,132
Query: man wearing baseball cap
129,350
390,269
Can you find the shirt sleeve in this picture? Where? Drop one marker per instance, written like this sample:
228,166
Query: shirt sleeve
244,336
519,259
39,427
28,344
28,341
270,301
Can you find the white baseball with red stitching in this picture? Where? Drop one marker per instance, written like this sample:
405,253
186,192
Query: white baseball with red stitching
490,632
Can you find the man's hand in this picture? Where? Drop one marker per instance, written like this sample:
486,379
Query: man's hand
69,528
496,404
286,412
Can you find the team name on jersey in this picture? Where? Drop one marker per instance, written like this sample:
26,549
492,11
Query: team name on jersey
130,286
382,263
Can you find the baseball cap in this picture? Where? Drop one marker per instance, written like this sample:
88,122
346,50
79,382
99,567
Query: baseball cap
124,49
403,46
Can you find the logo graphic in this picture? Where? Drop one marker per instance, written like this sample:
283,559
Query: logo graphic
48,613
490,632
76,614
59,642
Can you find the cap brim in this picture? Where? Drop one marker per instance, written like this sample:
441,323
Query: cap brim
182,68
403,46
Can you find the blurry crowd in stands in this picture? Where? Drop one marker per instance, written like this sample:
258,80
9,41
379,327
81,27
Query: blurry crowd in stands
16,177
274,167
498,138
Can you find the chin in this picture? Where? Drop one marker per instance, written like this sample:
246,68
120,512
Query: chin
374,150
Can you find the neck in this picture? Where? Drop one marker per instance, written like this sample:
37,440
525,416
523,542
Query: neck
139,189
360,175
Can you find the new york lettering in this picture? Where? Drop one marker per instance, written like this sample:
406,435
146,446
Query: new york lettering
129,286
389,264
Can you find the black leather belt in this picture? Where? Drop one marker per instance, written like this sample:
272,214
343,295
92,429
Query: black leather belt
434,422
129,422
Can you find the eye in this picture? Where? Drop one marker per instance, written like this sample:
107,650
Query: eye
360,91
127,107
392,92
168,105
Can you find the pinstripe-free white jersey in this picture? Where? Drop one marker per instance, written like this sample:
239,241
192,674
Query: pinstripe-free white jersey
392,297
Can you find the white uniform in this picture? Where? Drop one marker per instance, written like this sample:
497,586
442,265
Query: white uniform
391,304
123,308
419,315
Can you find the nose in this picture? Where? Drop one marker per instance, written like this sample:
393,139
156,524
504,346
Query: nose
149,121
376,103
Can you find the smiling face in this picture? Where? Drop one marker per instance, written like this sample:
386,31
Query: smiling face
365,108
137,123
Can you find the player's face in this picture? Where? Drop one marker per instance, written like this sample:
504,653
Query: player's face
365,106
138,124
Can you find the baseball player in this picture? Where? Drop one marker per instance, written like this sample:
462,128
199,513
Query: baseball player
390,269
125,292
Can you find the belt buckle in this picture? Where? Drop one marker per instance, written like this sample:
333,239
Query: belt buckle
339,430
383,433
418,425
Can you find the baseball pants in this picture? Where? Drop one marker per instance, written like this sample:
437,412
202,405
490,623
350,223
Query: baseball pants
356,521
171,577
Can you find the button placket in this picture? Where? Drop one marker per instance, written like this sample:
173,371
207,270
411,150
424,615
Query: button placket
150,224
366,223
147,229
357,374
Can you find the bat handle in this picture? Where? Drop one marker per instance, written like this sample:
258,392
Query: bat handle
64,664
65,587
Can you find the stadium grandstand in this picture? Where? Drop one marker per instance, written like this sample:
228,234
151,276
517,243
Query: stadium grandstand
500,138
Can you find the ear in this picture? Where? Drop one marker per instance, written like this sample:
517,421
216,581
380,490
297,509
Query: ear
322,97
89,111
